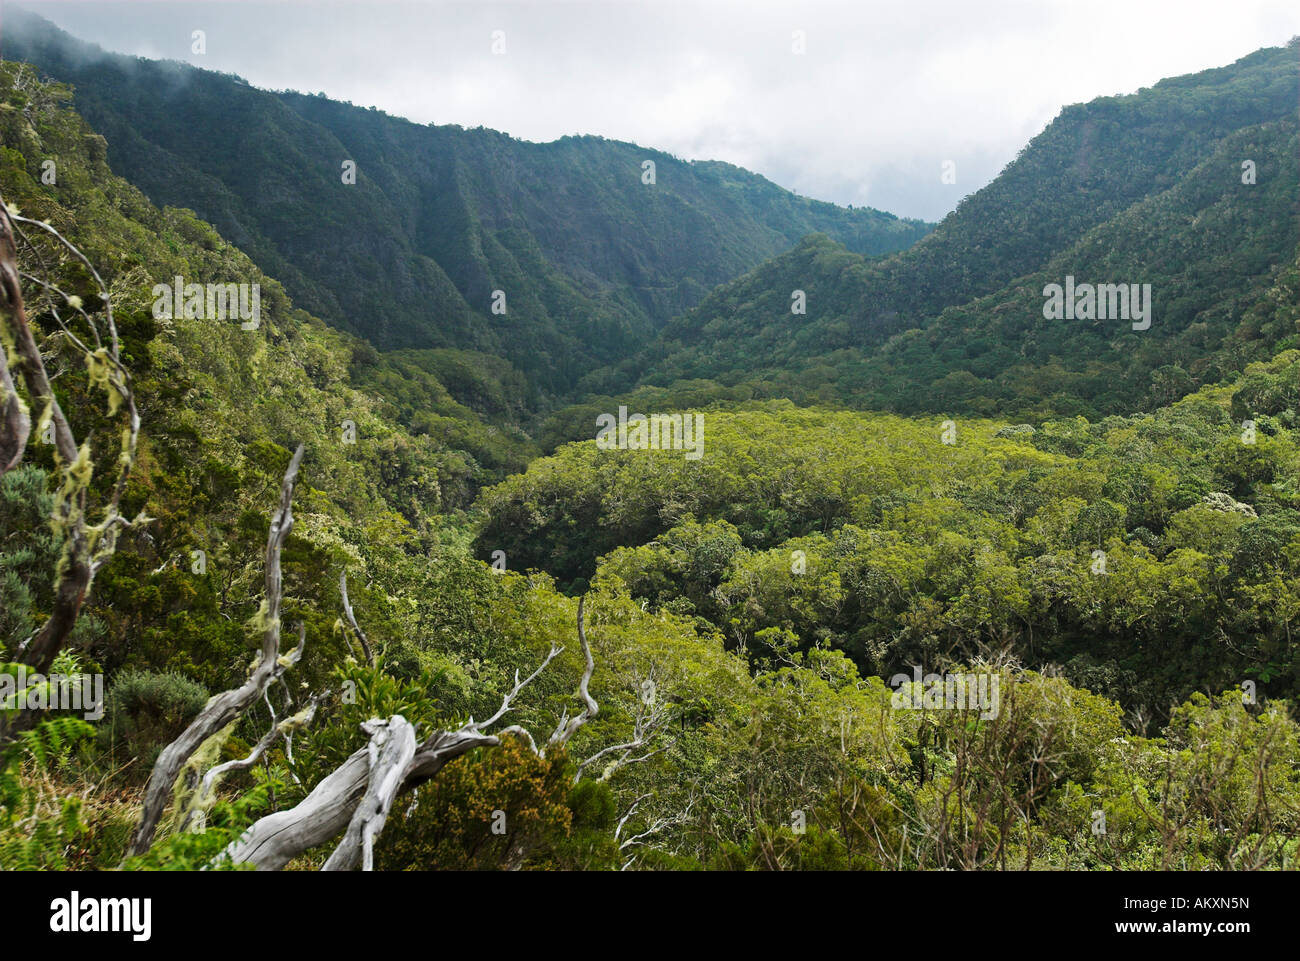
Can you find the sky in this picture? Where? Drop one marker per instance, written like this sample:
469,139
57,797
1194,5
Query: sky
882,96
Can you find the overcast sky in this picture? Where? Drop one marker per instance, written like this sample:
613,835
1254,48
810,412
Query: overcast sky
884,94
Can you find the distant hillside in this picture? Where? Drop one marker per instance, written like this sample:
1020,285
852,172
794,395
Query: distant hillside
592,260
1146,188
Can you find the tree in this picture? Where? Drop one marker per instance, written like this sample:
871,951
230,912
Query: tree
92,334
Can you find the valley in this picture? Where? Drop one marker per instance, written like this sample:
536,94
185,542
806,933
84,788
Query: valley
423,440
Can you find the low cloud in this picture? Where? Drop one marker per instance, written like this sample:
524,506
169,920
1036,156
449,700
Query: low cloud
884,94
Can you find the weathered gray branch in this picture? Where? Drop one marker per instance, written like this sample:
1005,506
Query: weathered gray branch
29,366
356,797
337,801
390,752
653,828
352,620
277,730
225,707
275,840
567,727
622,822
514,691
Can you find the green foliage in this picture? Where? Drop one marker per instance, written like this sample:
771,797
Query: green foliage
145,710
29,552
1135,543
363,692
221,405
439,216
36,829
200,850
499,809
50,744
867,533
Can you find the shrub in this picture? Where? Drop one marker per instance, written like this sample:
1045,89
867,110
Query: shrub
145,710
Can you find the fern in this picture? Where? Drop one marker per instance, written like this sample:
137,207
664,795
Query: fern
32,836
49,745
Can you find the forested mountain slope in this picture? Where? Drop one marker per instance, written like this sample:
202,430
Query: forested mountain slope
1148,188
591,260
220,404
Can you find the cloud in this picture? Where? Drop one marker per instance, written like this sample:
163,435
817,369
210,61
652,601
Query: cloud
884,94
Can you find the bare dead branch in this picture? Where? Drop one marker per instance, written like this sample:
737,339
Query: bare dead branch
567,727
357,796
275,840
333,805
29,366
390,752
514,691
225,707
352,620
214,774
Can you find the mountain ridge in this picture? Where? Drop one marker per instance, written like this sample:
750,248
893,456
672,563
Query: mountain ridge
590,259
1003,237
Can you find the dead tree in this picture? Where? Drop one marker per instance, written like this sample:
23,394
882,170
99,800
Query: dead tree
86,547
354,800
352,619
652,717
356,797
227,706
